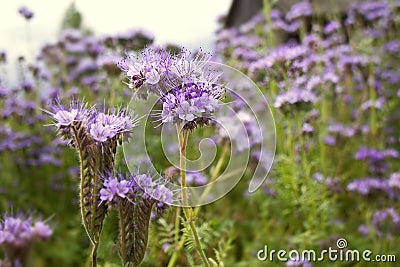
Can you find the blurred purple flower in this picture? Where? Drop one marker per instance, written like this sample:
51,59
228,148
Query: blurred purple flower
301,9
26,13
367,185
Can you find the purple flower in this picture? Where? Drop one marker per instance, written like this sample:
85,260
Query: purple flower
330,140
298,262
162,194
342,130
302,9
294,96
392,47
378,104
191,103
367,185
115,188
376,158
332,183
332,27
307,128
363,229
382,215
387,221
145,182
100,132
150,67
16,232
196,178
394,180
280,55
26,13
106,126
42,230
65,117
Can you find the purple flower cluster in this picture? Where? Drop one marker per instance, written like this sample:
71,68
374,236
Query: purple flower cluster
191,104
386,222
189,94
301,9
333,184
368,185
377,159
107,126
295,96
115,188
148,68
298,262
100,126
85,61
18,232
196,178
394,180
378,12
129,187
20,117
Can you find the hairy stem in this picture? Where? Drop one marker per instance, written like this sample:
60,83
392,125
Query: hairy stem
94,255
183,138
214,175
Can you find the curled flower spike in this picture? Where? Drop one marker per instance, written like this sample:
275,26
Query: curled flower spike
106,126
130,187
99,126
134,197
115,188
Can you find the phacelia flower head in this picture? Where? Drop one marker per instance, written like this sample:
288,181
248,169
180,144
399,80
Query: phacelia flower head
41,230
150,67
191,104
115,188
65,117
79,120
133,186
20,232
296,97
16,231
17,235
106,126
188,88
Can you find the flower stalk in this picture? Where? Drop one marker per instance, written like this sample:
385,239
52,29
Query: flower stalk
189,214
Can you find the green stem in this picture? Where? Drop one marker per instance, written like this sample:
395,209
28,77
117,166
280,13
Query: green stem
177,224
267,13
94,255
183,138
214,176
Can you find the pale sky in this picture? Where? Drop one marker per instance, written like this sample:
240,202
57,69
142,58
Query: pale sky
190,23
